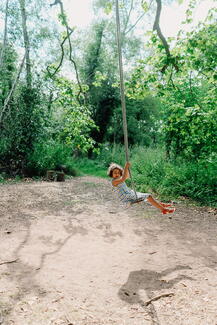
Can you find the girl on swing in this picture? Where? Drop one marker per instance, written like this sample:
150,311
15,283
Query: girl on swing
126,195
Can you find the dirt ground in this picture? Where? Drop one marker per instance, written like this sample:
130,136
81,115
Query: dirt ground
71,255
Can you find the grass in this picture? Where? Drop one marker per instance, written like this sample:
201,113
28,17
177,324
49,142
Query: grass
89,167
5,179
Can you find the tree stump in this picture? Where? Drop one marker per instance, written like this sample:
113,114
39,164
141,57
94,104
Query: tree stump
51,175
60,177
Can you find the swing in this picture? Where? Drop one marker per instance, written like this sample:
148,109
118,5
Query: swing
123,102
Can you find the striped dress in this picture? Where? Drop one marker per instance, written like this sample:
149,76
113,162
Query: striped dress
126,195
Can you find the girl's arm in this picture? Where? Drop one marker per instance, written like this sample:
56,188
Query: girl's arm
124,176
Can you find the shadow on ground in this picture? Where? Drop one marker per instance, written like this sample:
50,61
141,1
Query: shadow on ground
150,281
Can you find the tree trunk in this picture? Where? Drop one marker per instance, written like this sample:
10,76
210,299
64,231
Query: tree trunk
7,100
26,43
5,35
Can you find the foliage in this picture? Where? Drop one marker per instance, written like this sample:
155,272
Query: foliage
22,125
7,71
188,96
99,76
73,120
100,63
44,36
25,116
104,98
143,122
111,153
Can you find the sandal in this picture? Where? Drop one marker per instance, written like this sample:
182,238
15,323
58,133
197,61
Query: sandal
166,211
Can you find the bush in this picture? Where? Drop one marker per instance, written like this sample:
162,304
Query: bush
21,127
50,155
196,180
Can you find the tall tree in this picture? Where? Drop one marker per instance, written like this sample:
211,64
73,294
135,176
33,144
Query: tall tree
26,43
5,34
98,74
100,64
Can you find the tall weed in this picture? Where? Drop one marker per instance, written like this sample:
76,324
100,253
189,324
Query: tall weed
109,153
196,180
169,179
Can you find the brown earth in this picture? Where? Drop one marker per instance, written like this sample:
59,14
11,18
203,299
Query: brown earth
71,255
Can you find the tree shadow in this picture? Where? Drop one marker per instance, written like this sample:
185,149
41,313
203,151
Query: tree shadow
149,281
23,275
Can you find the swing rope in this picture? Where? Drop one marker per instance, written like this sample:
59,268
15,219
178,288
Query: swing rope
122,92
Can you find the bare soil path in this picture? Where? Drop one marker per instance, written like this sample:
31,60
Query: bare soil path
69,255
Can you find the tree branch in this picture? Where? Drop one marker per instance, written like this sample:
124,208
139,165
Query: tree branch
134,25
51,75
128,17
69,32
156,27
158,297
8,262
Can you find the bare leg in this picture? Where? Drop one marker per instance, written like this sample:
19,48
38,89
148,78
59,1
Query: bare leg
159,206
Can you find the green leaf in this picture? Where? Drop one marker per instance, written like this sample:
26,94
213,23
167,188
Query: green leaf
145,6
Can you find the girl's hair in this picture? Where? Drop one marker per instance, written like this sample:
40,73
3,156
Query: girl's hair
112,167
